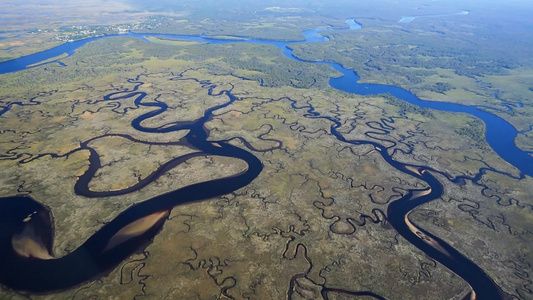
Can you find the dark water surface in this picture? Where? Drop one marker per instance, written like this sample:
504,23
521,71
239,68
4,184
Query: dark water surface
92,259
499,134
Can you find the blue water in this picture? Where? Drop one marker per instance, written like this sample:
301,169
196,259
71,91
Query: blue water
23,62
353,24
500,135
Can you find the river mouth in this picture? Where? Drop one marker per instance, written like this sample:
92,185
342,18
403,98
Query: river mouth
24,268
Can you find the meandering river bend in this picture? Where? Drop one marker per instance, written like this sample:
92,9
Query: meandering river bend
111,244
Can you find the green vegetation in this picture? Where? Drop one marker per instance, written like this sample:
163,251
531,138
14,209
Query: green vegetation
170,41
301,216
441,59
405,108
474,130
254,62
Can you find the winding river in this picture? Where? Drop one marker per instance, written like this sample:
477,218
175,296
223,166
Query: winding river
114,242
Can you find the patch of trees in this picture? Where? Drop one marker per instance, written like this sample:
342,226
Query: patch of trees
405,108
474,129
439,87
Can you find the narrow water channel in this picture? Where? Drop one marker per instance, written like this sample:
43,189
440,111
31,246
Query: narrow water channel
110,245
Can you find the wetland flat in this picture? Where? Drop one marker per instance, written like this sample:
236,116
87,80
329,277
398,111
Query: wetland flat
256,151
